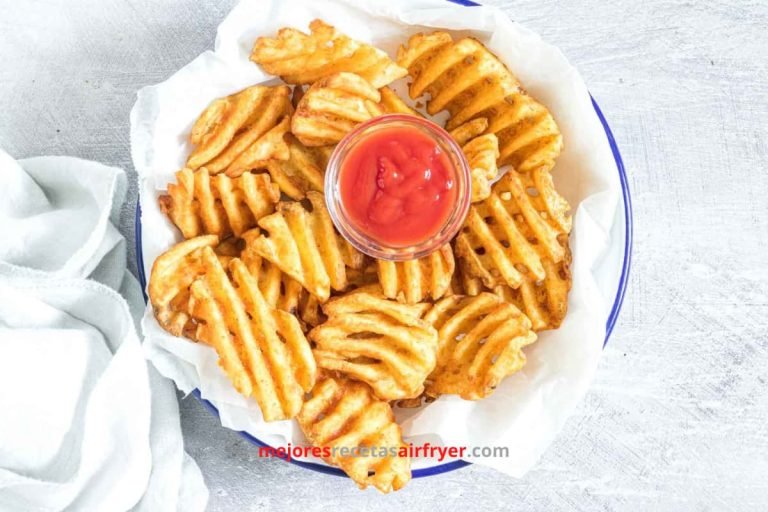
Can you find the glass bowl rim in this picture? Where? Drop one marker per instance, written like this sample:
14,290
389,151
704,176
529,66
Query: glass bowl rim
367,244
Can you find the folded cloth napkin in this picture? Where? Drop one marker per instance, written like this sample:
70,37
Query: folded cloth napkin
85,423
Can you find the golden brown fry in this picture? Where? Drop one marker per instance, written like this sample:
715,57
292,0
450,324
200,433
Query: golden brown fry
544,302
261,349
391,103
271,146
241,128
279,290
172,274
300,58
465,71
303,171
199,203
416,280
305,245
332,107
507,237
344,413
469,81
480,342
378,341
481,151
515,243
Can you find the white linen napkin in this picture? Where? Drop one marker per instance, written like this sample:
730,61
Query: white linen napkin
85,423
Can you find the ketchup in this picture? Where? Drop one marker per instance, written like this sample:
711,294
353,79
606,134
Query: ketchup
398,186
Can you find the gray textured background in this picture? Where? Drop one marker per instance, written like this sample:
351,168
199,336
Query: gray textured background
677,418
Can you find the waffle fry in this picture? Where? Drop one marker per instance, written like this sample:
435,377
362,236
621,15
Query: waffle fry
303,171
378,341
481,151
262,350
507,237
544,302
416,280
344,413
240,129
200,204
271,146
480,343
279,290
391,103
451,71
300,58
304,245
172,274
469,81
332,107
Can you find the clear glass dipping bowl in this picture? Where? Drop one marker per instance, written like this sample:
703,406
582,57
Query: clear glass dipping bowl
364,242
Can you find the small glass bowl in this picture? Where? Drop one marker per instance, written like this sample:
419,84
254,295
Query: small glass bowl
363,242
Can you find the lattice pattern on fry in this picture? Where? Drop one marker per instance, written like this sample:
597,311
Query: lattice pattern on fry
305,245
332,107
416,280
345,413
381,342
469,81
391,103
480,342
262,350
507,237
300,58
200,204
303,171
172,274
481,151
234,132
271,146
280,290
544,302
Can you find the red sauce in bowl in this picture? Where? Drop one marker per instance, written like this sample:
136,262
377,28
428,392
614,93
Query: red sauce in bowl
398,186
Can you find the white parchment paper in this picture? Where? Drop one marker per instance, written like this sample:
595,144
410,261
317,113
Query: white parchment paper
528,409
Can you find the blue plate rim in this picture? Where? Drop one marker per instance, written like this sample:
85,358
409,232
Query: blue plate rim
610,324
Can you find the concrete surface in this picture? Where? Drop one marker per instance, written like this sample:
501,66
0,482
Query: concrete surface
676,419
